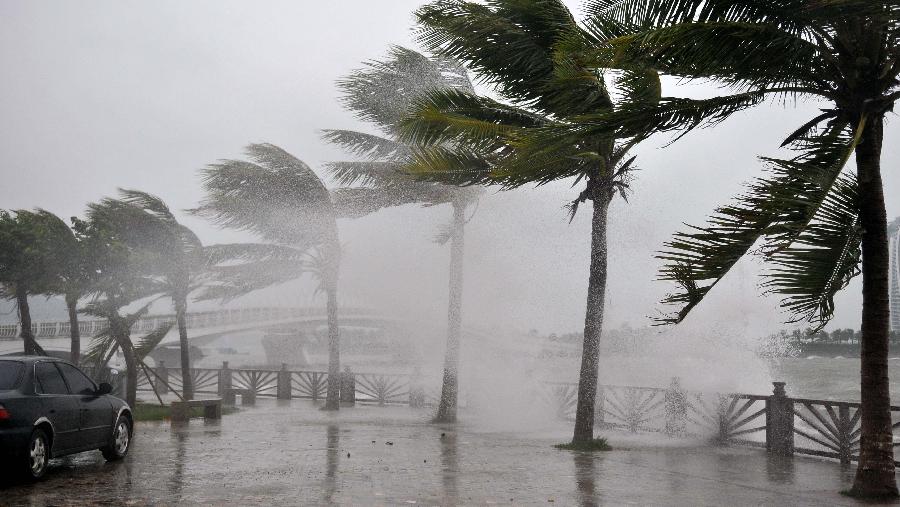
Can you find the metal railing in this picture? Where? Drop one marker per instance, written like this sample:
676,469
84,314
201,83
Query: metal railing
195,320
777,422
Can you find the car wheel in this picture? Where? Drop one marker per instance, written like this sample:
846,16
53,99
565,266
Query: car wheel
120,441
37,455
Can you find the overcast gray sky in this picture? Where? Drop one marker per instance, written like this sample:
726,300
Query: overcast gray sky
97,95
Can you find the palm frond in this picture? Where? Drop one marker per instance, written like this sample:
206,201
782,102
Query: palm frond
457,117
252,252
234,280
148,343
777,208
367,146
276,196
383,90
822,260
510,45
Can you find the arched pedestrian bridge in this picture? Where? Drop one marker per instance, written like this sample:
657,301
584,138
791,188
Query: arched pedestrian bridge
203,327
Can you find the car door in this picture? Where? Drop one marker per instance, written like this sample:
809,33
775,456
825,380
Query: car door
96,411
58,406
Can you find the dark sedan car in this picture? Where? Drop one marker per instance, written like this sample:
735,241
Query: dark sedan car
49,408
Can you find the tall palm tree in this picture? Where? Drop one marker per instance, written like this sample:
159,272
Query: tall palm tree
283,202
818,221
510,45
173,253
30,257
382,94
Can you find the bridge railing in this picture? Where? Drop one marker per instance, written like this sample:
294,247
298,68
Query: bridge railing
195,320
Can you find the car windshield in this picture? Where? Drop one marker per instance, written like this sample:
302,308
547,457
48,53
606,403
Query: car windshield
10,373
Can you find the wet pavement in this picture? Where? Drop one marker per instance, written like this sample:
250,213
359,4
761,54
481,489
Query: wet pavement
290,453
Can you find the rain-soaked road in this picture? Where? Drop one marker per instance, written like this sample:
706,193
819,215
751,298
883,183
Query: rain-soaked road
291,454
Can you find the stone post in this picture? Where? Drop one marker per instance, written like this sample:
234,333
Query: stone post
676,409
162,378
224,379
284,383
416,390
348,387
600,406
780,422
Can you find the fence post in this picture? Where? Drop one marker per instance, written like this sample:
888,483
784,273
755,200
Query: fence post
284,383
844,432
348,387
416,390
600,406
676,409
224,379
780,422
162,378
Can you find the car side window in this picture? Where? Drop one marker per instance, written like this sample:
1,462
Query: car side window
78,382
48,380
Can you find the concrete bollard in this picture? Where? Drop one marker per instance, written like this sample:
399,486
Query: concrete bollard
283,388
162,378
676,409
348,387
780,422
224,379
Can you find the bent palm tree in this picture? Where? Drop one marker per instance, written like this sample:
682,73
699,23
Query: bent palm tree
124,275
475,140
818,222
282,201
382,94
73,273
177,256
30,258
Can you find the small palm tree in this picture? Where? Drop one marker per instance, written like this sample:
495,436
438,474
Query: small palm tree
72,275
30,258
174,254
124,275
382,94
818,222
283,202
510,44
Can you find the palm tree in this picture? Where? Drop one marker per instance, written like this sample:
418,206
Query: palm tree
382,94
510,44
818,221
29,260
125,275
144,222
72,275
283,202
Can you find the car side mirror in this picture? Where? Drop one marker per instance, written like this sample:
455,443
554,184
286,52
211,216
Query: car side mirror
104,388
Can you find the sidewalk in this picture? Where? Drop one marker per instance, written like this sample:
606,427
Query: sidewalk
289,453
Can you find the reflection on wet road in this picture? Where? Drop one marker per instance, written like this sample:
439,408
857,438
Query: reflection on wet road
290,453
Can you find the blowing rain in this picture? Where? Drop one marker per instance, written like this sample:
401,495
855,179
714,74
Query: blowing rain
448,252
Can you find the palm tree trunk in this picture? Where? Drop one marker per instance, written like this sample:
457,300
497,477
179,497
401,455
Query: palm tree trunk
875,473
74,332
593,324
332,397
30,345
187,386
450,387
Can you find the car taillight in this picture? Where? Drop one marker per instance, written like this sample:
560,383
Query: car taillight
4,414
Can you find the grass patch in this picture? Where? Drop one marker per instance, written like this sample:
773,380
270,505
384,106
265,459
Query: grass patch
598,444
153,412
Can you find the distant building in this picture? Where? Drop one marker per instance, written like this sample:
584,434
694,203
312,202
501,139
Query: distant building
894,232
